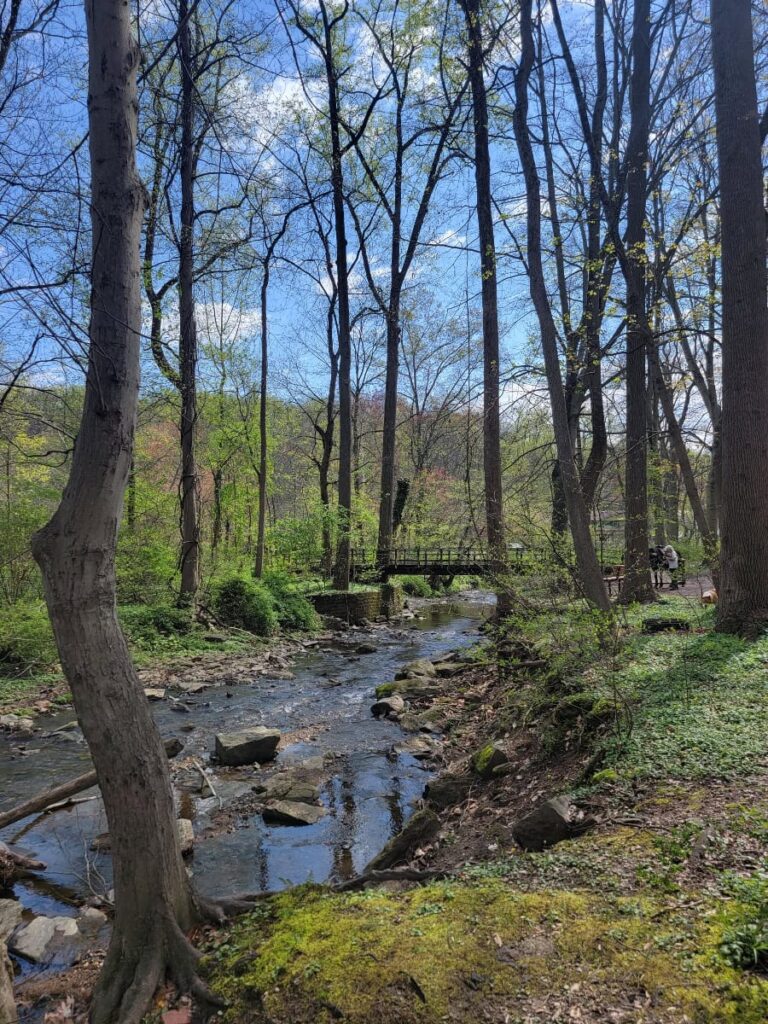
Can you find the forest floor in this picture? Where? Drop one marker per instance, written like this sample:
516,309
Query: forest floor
655,911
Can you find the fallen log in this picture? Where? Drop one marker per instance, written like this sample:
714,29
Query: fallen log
67,789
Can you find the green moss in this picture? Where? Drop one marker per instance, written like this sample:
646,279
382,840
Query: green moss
485,760
386,690
607,775
456,947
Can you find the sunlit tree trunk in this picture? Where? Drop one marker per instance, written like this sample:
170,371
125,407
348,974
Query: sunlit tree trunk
154,904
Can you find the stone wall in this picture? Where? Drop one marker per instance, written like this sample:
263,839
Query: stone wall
391,600
351,606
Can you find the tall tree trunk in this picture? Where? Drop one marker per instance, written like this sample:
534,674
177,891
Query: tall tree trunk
743,603
190,497
389,434
342,566
590,576
263,446
154,904
494,508
637,582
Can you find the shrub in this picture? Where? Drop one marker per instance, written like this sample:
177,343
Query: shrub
145,571
246,604
26,639
415,586
144,623
292,608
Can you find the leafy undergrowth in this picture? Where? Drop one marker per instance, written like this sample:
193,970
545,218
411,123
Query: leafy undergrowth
472,950
659,915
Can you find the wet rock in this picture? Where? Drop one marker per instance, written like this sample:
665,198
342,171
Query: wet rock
420,667
154,693
448,790
420,747
14,723
289,812
547,824
192,686
489,757
247,746
10,916
366,649
279,673
32,940
422,827
292,787
387,706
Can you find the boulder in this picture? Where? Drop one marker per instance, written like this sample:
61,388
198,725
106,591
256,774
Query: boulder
248,746
154,693
16,724
33,939
489,757
422,827
420,667
10,916
388,706
91,920
547,824
292,786
420,747
446,669
8,1012
290,812
366,649
448,790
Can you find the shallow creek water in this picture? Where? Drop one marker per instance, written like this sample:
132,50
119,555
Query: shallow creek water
369,792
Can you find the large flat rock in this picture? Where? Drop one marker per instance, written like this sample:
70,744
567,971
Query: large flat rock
290,812
247,746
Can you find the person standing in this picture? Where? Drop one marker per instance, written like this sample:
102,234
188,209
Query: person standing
672,560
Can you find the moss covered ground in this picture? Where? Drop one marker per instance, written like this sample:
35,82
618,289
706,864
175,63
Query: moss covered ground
658,915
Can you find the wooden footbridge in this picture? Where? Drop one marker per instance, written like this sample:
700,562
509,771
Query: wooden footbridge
460,561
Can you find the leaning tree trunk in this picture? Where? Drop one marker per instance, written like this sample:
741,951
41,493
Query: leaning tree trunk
190,498
154,904
743,592
494,506
637,581
590,576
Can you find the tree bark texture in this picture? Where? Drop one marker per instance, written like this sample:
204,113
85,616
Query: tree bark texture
637,581
190,496
743,593
154,904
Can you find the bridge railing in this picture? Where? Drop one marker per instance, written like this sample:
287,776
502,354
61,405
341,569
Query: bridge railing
427,557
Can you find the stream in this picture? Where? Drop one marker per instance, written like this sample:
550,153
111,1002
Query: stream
323,712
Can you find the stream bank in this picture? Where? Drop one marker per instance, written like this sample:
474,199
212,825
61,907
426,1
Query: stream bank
651,911
318,693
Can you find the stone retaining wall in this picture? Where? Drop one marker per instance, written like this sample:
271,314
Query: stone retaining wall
351,606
